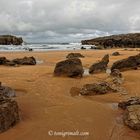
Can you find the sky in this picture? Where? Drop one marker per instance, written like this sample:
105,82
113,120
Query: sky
68,20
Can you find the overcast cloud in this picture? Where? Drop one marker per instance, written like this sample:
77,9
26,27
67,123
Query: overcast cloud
68,20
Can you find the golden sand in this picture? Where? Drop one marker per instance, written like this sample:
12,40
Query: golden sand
46,104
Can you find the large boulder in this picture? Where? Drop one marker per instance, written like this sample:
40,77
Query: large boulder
9,113
100,66
25,61
10,40
70,68
96,89
131,62
132,117
74,55
129,102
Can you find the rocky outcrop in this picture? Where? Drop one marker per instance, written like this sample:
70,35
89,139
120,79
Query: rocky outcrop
9,111
132,117
25,61
100,66
74,55
10,40
70,68
18,61
96,89
131,62
123,40
129,102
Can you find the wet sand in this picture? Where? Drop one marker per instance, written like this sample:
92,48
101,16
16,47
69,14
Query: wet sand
46,104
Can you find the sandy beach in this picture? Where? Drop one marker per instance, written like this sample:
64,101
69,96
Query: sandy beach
46,104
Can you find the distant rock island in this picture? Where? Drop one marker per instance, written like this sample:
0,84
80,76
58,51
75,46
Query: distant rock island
123,40
10,40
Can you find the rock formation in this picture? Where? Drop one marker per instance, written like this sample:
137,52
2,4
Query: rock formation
100,66
9,111
131,62
115,54
123,40
70,68
132,117
74,55
10,40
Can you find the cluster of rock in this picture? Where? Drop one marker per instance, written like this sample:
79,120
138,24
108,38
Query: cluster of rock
9,111
123,40
10,40
18,61
75,55
131,115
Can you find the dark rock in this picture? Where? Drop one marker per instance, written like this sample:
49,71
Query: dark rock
25,61
116,73
132,117
100,66
128,63
3,60
83,48
10,40
124,40
129,102
96,89
7,91
9,113
70,68
74,55
115,53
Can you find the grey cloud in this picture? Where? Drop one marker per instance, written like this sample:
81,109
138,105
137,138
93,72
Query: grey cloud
68,20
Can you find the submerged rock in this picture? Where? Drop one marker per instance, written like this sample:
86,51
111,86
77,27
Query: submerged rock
132,117
100,66
131,62
25,61
96,89
129,102
74,55
70,68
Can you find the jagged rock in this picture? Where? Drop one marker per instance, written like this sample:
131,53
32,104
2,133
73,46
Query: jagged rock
115,53
25,61
96,89
74,55
100,66
131,62
70,68
9,113
129,102
132,117
9,39
7,91
123,40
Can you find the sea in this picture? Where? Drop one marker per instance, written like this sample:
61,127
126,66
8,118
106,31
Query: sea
44,47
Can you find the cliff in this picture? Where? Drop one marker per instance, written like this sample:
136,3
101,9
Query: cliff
122,40
10,40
